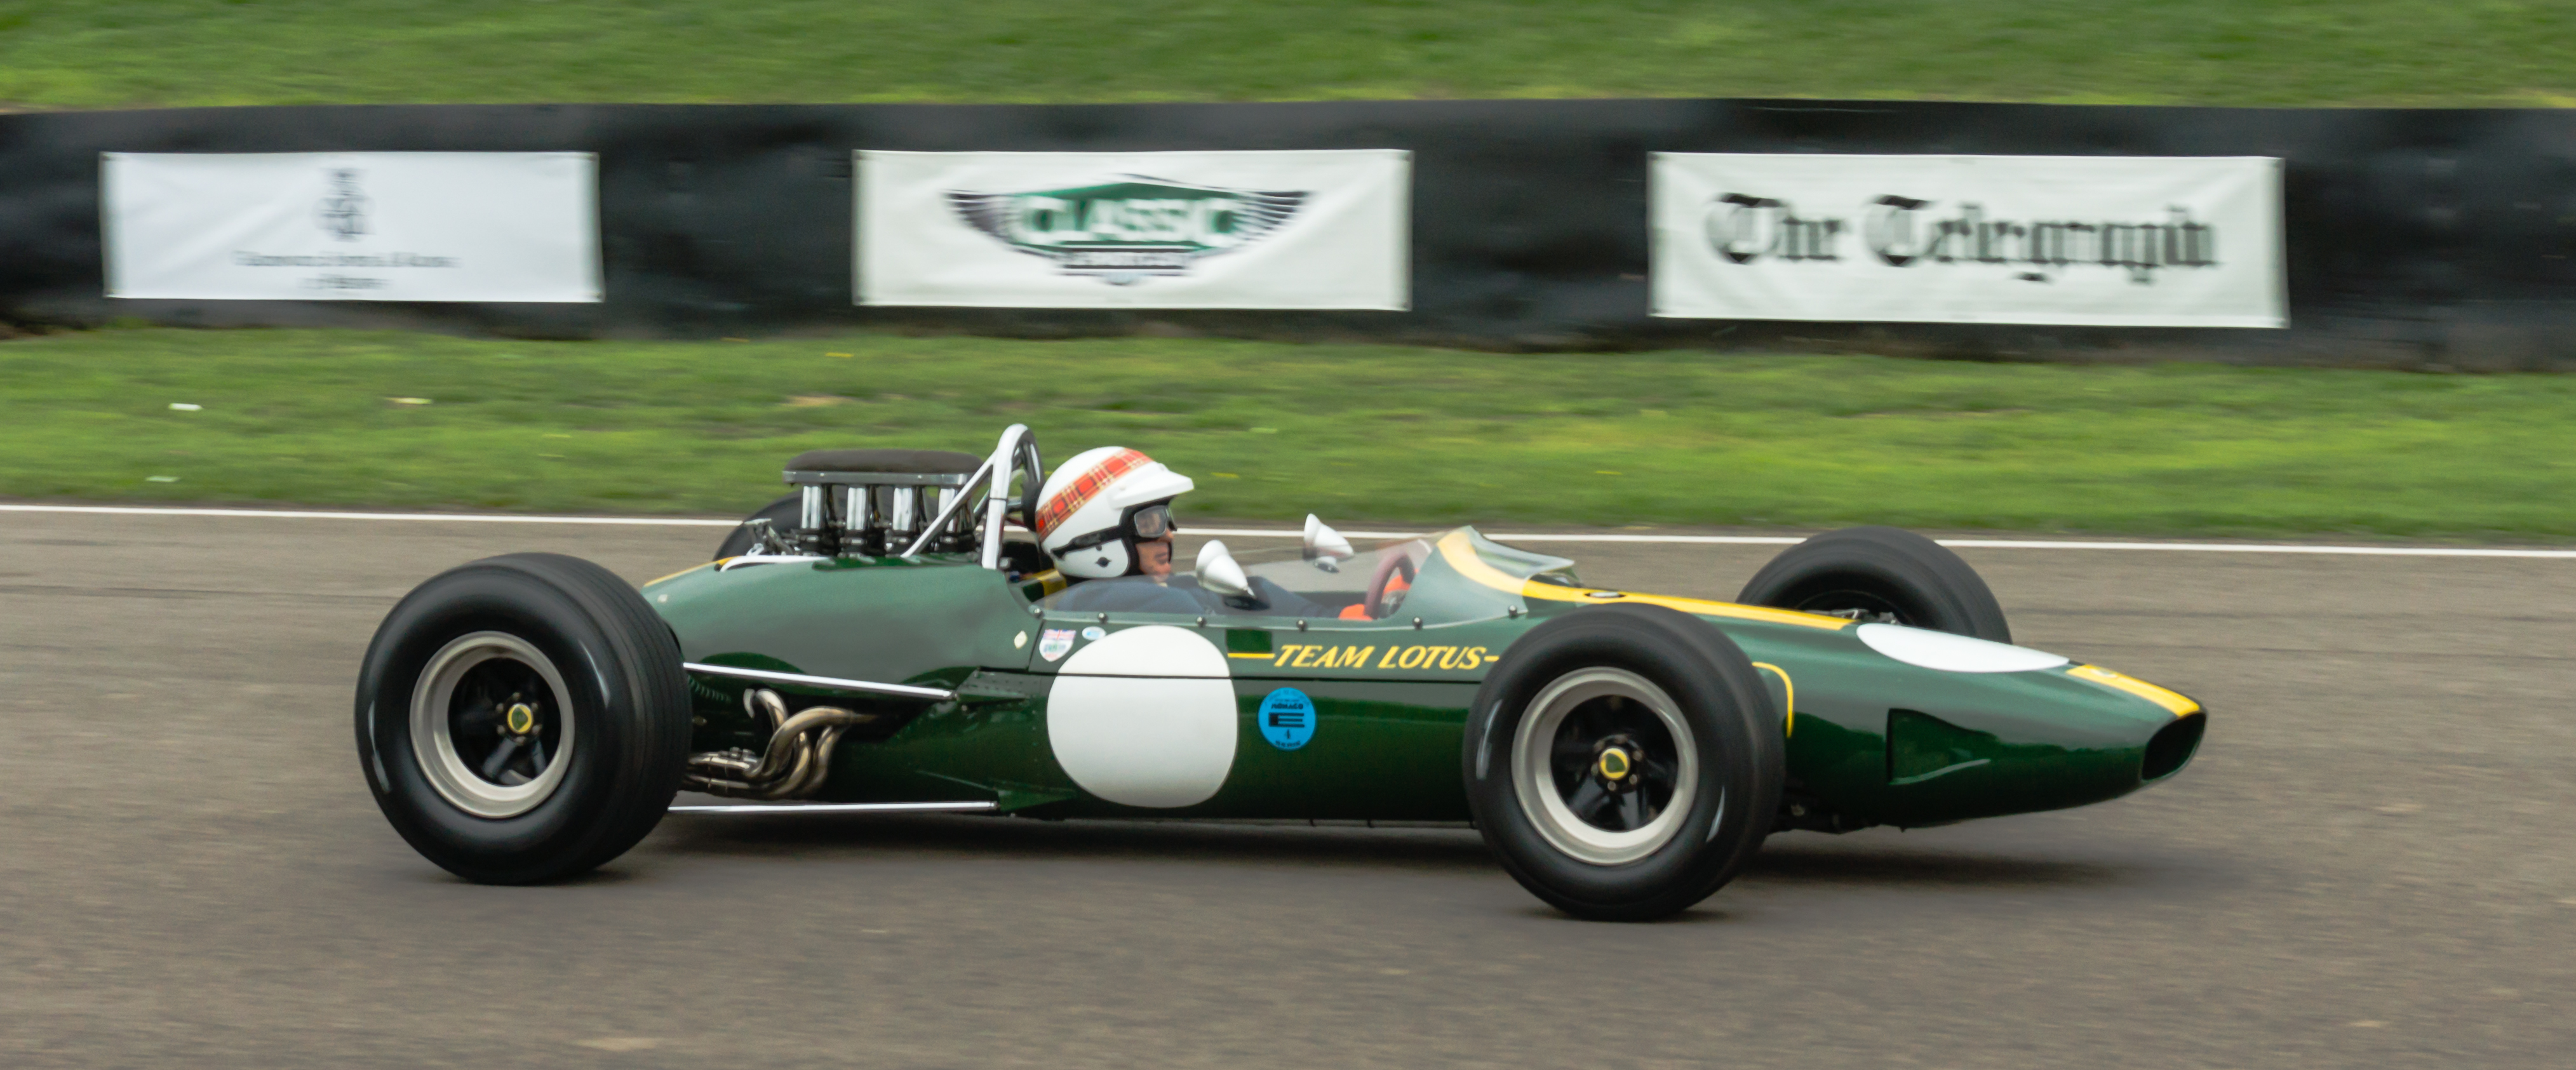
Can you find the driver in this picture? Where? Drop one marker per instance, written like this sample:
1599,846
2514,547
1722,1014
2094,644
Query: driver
1106,514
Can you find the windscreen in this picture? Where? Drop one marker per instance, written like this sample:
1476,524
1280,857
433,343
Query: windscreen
1447,577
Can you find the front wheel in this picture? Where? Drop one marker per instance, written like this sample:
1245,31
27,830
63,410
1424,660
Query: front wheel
1881,575
1624,761
523,718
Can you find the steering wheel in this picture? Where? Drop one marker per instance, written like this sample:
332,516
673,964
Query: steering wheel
1393,565
1032,472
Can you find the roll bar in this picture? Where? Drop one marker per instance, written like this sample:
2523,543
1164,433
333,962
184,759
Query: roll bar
1018,447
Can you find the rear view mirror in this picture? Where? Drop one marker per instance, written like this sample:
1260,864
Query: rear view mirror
1323,543
1218,571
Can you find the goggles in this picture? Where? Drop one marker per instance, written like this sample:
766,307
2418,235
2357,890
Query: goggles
1151,522
1144,524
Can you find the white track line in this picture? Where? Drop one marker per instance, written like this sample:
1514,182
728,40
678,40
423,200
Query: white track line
284,514
2258,548
1269,533
1973,544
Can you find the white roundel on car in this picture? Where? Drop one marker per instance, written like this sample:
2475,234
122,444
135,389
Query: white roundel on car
1145,717
1953,653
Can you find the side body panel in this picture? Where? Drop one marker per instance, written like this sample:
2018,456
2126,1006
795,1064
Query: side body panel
934,622
1870,738
882,619
1972,744
1389,705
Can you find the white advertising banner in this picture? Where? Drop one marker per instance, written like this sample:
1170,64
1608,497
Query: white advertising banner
352,226
2086,240
1320,229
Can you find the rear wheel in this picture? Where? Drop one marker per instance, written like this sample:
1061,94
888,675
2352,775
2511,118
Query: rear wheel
783,515
523,718
1881,575
1623,761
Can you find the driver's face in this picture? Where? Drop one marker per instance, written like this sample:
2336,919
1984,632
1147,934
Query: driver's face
1155,557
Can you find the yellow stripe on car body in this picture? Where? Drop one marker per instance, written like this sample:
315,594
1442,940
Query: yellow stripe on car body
1788,717
1461,555
2180,704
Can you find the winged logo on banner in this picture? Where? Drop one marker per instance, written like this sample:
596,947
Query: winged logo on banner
1125,231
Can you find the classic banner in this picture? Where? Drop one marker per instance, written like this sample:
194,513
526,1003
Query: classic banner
352,226
2125,241
1309,230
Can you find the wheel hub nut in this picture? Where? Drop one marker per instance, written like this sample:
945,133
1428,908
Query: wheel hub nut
1615,764
522,718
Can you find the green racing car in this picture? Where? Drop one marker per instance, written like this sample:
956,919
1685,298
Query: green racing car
890,638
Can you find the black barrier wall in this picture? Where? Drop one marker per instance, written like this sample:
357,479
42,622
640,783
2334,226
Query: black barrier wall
2415,238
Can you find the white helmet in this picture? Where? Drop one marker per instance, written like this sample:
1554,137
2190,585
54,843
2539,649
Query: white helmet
1087,512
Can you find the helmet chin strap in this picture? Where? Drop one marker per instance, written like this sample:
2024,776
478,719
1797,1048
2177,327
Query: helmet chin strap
1135,559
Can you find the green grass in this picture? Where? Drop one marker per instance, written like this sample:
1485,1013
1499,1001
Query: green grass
139,53
1272,430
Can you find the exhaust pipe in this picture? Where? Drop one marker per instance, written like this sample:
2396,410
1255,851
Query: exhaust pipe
796,762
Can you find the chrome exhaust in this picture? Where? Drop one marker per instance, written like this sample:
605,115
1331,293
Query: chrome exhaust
797,760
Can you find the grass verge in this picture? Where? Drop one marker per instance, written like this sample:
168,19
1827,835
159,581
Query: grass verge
1271,430
154,53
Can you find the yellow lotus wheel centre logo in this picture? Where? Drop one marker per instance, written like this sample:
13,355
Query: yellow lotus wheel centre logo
522,718
1614,764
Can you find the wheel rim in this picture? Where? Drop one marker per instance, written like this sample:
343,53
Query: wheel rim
1862,606
1605,766
490,724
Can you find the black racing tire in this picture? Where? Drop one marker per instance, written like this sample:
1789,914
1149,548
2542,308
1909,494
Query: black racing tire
1890,575
1532,717
782,515
600,675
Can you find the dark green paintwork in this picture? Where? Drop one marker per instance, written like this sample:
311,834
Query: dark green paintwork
887,619
1386,744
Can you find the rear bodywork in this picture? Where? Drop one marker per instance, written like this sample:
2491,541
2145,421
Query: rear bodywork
1032,722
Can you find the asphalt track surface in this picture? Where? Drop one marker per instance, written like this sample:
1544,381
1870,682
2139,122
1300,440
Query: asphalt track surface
2368,865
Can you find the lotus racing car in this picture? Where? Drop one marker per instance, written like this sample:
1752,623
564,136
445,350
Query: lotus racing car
889,638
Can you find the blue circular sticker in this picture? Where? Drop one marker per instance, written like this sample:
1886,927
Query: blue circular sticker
1287,718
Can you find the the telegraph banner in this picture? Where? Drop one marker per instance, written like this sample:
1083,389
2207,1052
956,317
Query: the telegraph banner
352,226
1323,229
2120,241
